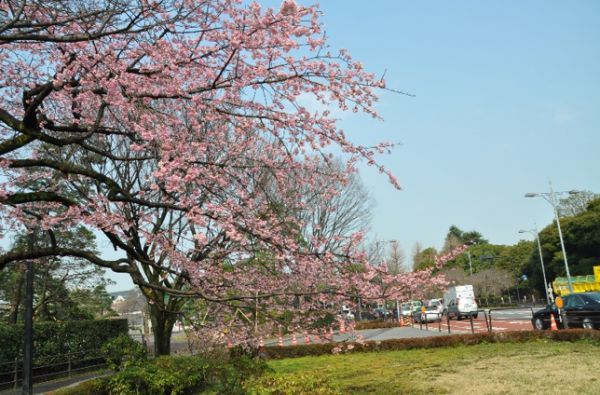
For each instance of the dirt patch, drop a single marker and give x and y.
(547, 372)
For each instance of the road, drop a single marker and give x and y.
(502, 320)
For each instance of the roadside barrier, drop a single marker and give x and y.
(424, 320)
(64, 365)
(553, 325)
(306, 338)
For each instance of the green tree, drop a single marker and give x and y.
(424, 259)
(95, 302)
(576, 203)
(457, 237)
(581, 234)
(54, 277)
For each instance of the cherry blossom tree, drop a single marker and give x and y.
(377, 282)
(166, 126)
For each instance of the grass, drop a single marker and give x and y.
(498, 368)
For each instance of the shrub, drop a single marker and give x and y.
(230, 377)
(62, 337)
(176, 375)
(162, 375)
(121, 350)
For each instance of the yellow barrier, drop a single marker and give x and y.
(590, 283)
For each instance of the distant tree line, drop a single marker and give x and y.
(498, 269)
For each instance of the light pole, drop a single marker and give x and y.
(469, 244)
(470, 263)
(550, 197)
(27, 388)
(534, 232)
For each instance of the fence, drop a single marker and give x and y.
(437, 319)
(63, 365)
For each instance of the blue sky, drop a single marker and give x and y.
(507, 97)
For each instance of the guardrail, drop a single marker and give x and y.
(11, 372)
(424, 320)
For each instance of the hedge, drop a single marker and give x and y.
(277, 352)
(52, 339)
(175, 375)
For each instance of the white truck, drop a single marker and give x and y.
(459, 302)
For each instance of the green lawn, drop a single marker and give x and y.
(534, 367)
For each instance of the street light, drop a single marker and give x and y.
(534, 232)
(470, 243)
(27, 388)
(550, 197)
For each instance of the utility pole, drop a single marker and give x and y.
(28, 340)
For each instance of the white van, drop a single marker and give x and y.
(459, 302)
(346, 313)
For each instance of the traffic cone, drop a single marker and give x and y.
(306, 338)
(553, 325)
(342, 327)
(401, 320)
(294, 340)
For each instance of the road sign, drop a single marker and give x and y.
(559, 302)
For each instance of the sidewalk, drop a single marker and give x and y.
(42, 388)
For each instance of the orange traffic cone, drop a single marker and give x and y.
(401, 320)
(553, 325)
(306, 338)
(342, 326)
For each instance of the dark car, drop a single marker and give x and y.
(381, 314)
(582, 310)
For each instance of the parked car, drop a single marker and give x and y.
(435, 305)
(416, 305)
(406, 310)
(433, 312)
(581, 309)
(541, 318)
(381, 313)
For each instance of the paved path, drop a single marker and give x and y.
(42, 388)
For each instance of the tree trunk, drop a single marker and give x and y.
(162, 327)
